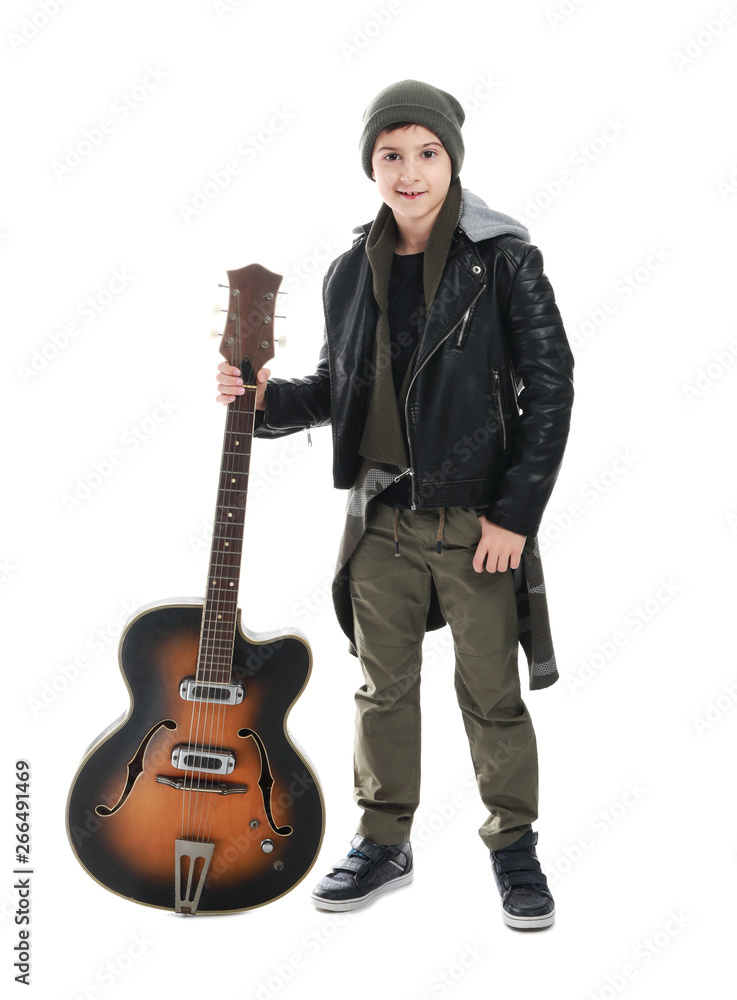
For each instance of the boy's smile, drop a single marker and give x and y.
(412, 171)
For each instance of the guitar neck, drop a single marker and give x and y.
(221, 595)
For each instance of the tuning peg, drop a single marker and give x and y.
(281, 341)
(217, 308)
(214, 333)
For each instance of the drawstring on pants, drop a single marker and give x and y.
(441, 526)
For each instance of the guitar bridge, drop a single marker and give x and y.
(191, 862)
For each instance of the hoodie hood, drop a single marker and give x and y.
(478, 221)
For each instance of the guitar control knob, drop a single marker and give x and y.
(267, 846)
(281, 341)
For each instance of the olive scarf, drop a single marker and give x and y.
(384, 437)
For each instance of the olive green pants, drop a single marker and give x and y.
(390, 599)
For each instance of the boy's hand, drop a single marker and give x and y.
(499, 547)
(230, 384)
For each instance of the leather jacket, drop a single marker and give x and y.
(489, 404)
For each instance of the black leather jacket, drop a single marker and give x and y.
(493, 343)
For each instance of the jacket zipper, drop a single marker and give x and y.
(465, 321)
(497, 392)
(464, 324)
(450, 333)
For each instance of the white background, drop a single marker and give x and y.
(634, 101)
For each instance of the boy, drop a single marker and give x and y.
(435, 319)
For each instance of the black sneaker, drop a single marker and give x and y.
(368, 870)
(526, 899)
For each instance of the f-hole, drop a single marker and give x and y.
(135, 768)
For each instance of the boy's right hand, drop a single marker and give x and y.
(230, 384)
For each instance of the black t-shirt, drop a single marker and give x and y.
(406, 314)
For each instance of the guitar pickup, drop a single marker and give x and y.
(211, 691)
(199, 758)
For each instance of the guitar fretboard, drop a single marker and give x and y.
(221, 595)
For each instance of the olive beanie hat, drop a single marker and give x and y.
(421, 104)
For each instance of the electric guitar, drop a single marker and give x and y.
(197, 799)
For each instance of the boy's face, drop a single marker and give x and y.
(412, 171)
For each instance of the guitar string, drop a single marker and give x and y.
(227, 598)
(201, 679)
(211, 607)
(235, 495)
(226, 603)
(212, 723)
(240, 490)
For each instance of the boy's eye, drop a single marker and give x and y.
(428, 154)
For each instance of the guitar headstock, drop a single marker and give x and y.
(249, 327)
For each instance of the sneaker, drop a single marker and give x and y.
(526, 899)
(368, 870)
